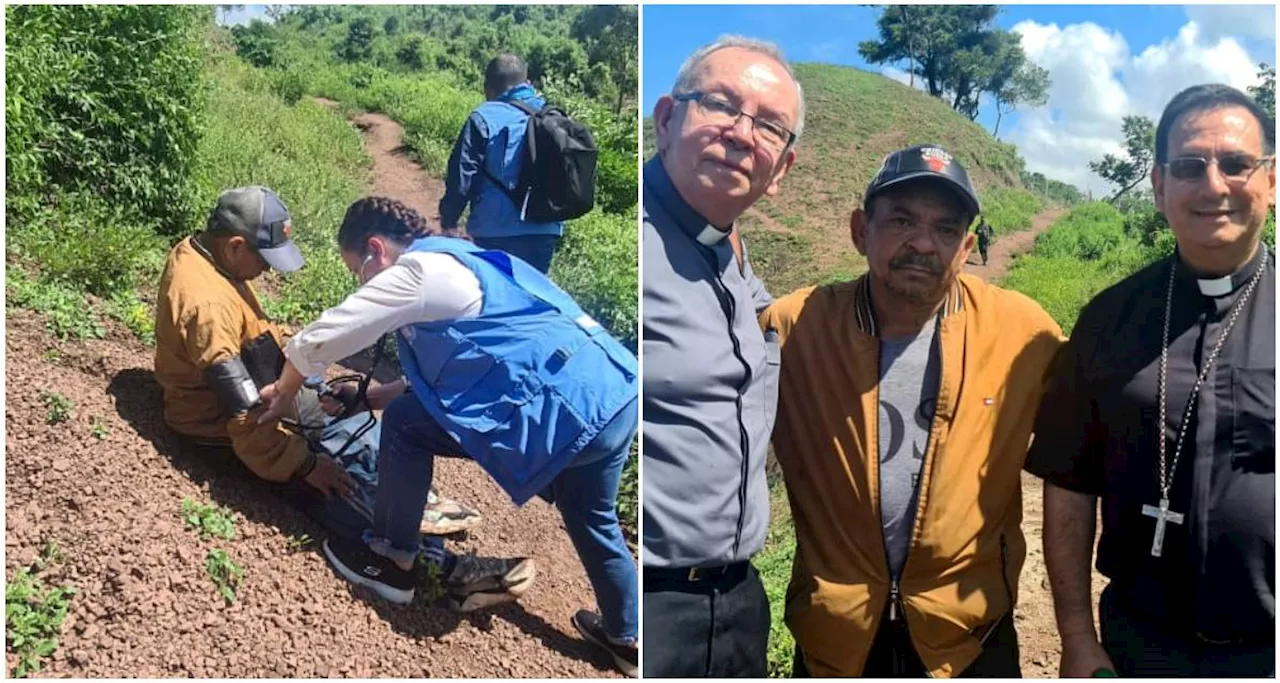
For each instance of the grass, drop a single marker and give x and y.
(224, 572)
(67, 314)
(34, 613)
(1009, 209)
(297, 543)
(774, 565)
(96, 429)
(208, 520)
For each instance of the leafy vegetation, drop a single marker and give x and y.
(59, 406)
(208, 520)
(1009, 210)
(34, 613)
(224, 572)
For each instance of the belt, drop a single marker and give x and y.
(736, 571)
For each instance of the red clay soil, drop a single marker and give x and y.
(145, 607)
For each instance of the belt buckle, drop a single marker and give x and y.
(693, 575)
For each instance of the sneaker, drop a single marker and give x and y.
(625, 657)
(479, 582)
(363, 567)
(445, 516)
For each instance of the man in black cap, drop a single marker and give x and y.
(215, 346)
(1163, 409)
(906, 401)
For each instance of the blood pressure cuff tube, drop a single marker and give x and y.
(233, 386)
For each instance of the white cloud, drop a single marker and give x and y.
(1226, 21)
(896, 74)
(1097, 81)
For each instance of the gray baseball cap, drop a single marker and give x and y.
(257, 214)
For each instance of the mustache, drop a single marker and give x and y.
(934, 266)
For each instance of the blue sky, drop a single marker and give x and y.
(1105, 61)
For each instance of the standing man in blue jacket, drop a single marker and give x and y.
(490, 150)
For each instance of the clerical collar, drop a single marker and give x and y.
(689, 220)
(1221, 286)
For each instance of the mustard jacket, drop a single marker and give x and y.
(203, 318)
(967, 549)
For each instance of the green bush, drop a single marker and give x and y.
(105, 99)
(67, 315)
(1009, 210)
(596, 264)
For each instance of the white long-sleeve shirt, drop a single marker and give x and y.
(419, 287)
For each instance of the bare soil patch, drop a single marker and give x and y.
(1008, 246)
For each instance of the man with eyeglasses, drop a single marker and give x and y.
(726, 137)
(905, 407)
(1163, 406)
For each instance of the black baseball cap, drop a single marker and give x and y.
(924, 161)
(257, 214)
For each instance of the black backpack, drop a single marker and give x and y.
(558, 176)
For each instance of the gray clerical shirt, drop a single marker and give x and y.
(710, 389)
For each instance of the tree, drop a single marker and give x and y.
(275, 12)
(1135, 166)
(258, 43)
(1265, 92)
(358, 45)
(1029, 86)
(957, 50)
(609, 33)
(391, 25)
(226, 10)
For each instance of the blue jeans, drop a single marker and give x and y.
(535, 250)
(586, 493)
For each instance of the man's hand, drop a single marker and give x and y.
(329, 478)
(1081, 656)
(335, 402)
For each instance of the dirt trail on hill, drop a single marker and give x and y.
(1009, 245)
(146, 608)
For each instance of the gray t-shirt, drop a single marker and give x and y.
(909, 369)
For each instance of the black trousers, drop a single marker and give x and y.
(982, 249)
(715, 628)
(893, 656)
(1139, 646)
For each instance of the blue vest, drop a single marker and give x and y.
(528, 383)
(493, 214)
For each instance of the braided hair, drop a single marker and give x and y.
(384, 217)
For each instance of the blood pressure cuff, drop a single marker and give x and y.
(236, 381)
(233, 386)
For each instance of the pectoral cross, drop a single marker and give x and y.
(1162, 515)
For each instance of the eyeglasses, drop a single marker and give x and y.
(719, 112)
(1234, 167)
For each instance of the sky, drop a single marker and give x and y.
(1105, 62)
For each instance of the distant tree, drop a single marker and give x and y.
(391, 25)
(258, 43)
(358, 45)
(1029, 86)
(1265, 92)
(1135, 165)
(226, 10)
(410, 54)
(957, 50)
(610, 34)
(275, 12)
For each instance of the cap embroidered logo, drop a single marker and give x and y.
(288, 230)
(936, 159)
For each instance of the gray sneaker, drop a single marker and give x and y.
(445, 516)
(625, 657)
(479, 582)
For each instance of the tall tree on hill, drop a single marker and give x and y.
(1135, 165)
(958, 51)
(1029, 85)
(1265, 92)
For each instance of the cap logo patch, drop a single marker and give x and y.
(288, 230)
(935, 158)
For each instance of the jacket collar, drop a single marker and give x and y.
(865, 315)
(521, 92)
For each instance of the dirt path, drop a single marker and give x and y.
(146, 608)
(1010, 245)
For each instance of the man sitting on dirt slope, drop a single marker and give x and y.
(489, 149)
(905, 407)
(211, 333)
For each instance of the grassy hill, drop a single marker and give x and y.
(854, 118)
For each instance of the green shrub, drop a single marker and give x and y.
(67, 315)
(288, 85)
(596, 264)
(105, 99)
(1009, 210)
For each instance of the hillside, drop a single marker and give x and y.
(854, 118)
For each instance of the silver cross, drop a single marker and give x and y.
(1162, 515)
